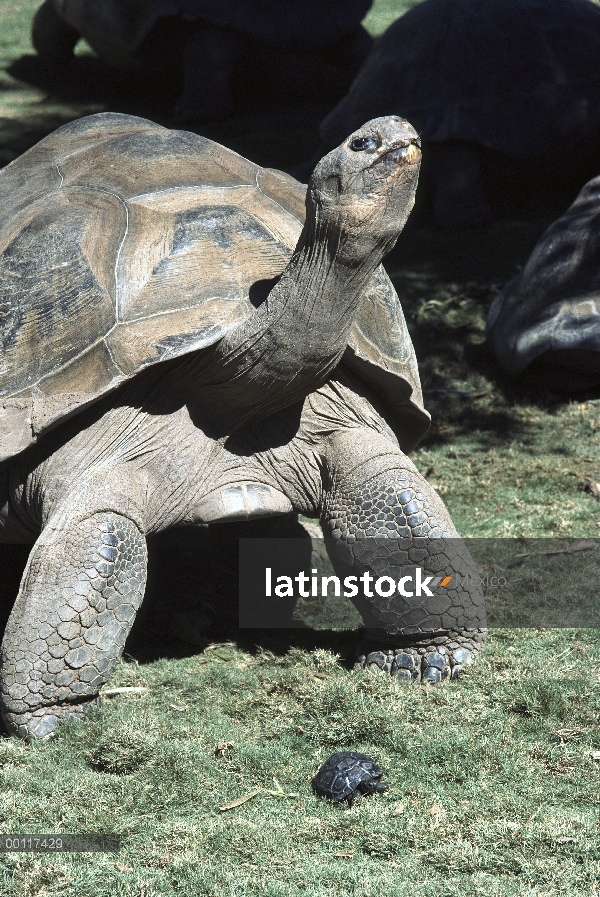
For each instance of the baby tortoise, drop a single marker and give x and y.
(346, 775)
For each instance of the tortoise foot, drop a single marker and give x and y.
(42, 722)
(430, 661)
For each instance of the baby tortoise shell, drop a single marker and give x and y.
(346, 775)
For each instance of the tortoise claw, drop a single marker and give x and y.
(429, 663)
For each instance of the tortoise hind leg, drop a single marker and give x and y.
(79, 595)
(53, 39)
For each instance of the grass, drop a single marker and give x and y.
(493, 785)
(494, 789)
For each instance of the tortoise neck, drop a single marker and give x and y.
(323, 283)
(298, 335)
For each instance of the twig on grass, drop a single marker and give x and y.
(124, 690)
(239, 800)
(277, 792)
(580, 545)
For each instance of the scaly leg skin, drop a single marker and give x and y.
(385, 519)
(80, 592)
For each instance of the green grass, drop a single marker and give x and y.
(384, 12)
(493, 787)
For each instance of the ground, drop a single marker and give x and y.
(494, 781)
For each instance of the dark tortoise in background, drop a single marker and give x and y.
(497, 91)
(546, 322)
(223, 52)
(181, 345)
(346, 776)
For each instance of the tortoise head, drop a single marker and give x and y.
(365, 189)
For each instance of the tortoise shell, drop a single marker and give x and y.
(550, 313)
(123, 244)
(514, 76)
(343, 773)
(299, 24)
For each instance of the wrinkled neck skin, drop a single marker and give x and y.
(298, 335)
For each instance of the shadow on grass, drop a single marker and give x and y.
(191, 600)
(88, 80)
(269, 133)
(446, 282)
(494, 421)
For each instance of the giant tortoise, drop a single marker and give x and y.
(189, 338)
(222, 50)
(547, 320)
(519, 78)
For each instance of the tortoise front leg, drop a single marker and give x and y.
(386, 520)
(353, 797)
(79, 595)
(373, 787)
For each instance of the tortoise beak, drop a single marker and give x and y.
(403, 154)
(410, 154)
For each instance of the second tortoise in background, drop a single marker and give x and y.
(547, 320)
(221, 49)
(489, 85)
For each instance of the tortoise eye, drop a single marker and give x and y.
(362, 144)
